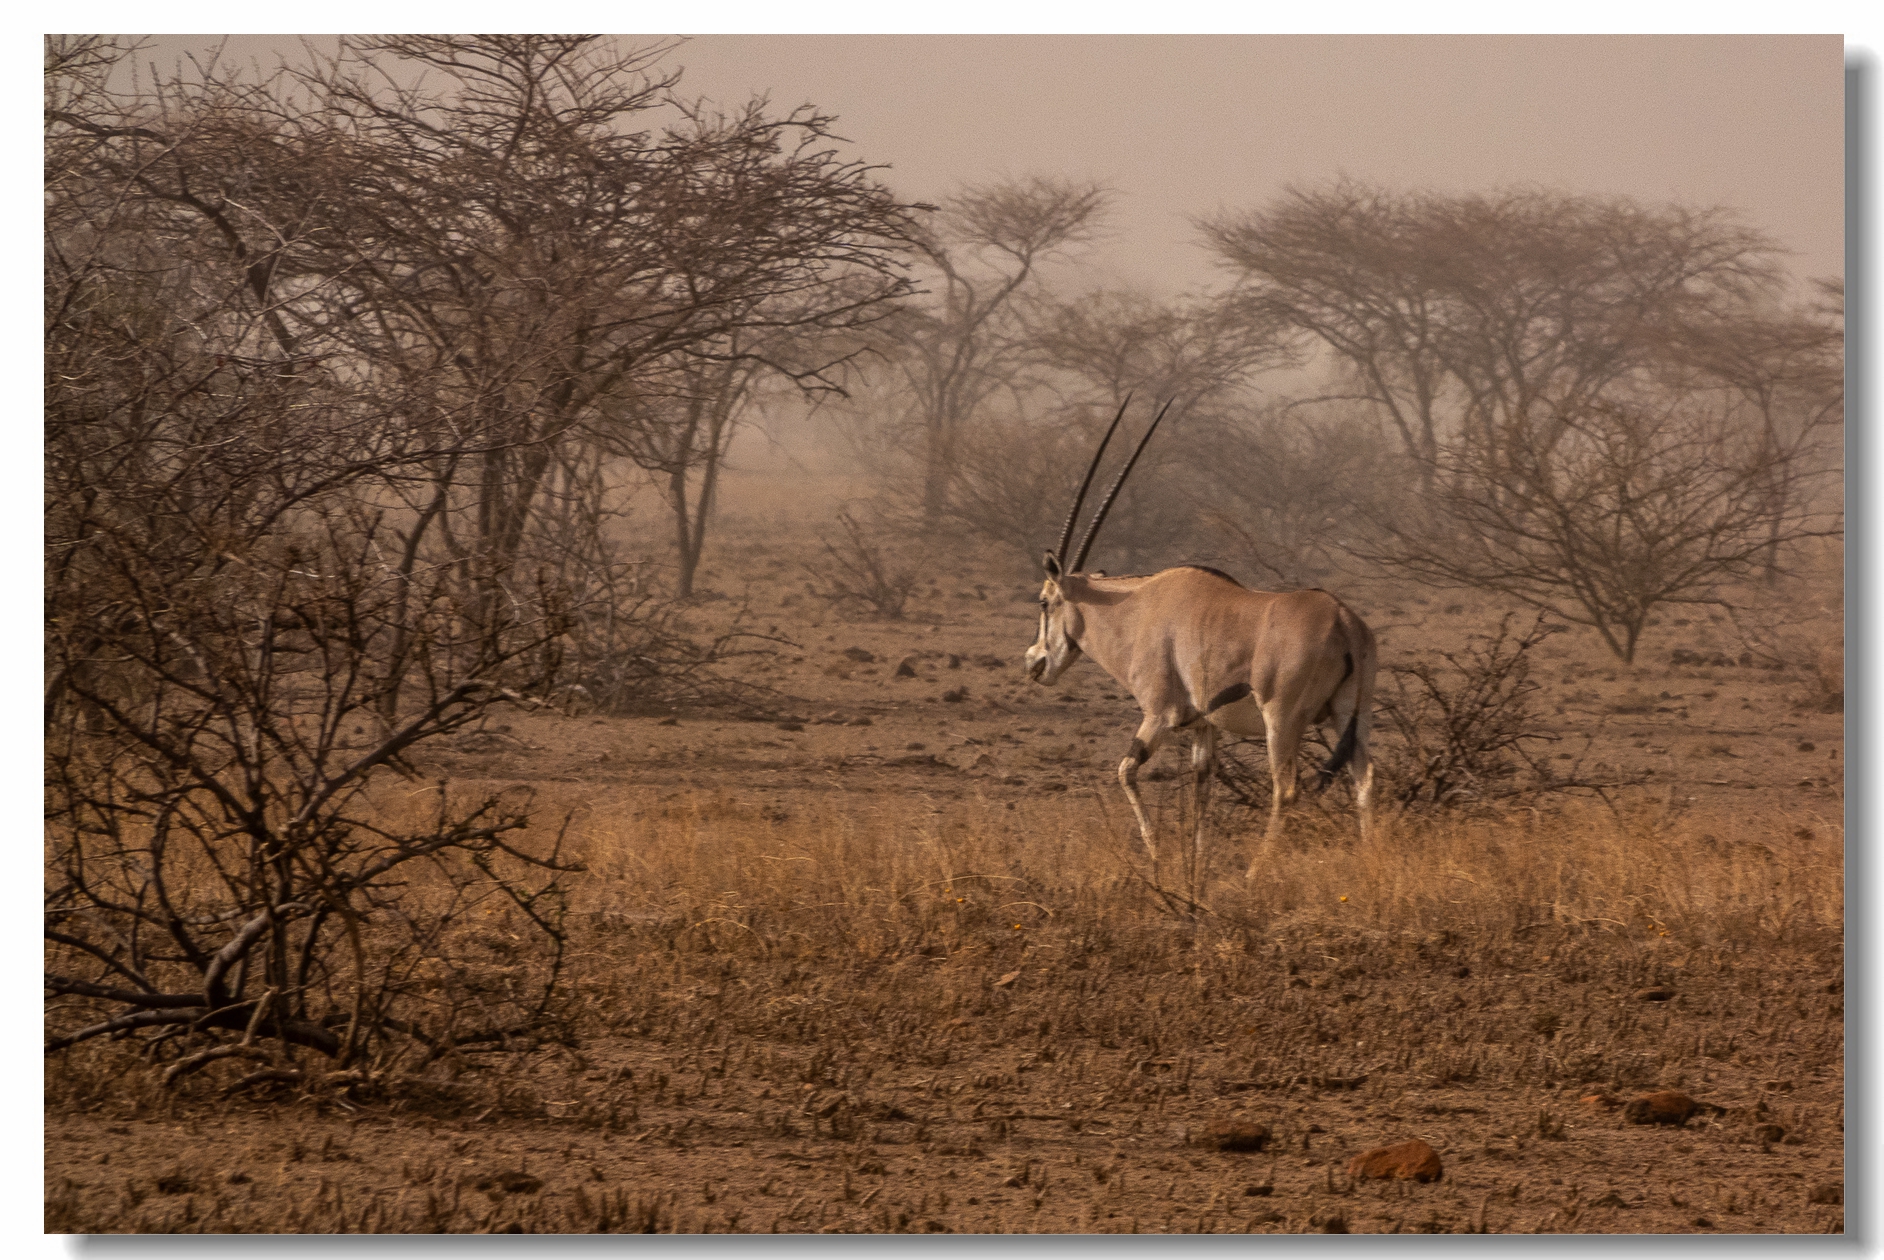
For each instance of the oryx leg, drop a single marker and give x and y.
(1362, 770)
(1285, 740)
(1203, 766)
(1151, 733)
(1361, 761)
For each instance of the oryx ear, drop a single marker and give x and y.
(1052, 565)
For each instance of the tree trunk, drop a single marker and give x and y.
(935, 474)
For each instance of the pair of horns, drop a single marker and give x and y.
(1105, 505)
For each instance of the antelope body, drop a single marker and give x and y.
(1202, 654)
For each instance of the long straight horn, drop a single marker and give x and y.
(1105, 504)
(1066, 533)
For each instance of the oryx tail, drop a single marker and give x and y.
(1344, 747)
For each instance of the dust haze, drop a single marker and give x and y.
(542, 536)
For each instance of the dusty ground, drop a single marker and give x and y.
(1021, 1039)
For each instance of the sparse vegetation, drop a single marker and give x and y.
(437, 839)
(996, 993)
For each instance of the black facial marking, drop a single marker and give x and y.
(1229, 695)
(1138, 752)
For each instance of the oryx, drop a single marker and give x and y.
(1201, 653)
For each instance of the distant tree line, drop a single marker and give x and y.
(1587, 405)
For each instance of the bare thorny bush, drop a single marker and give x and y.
(229, 877)
(289, 545)
(1458, 735)
(861, 573)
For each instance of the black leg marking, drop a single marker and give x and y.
(1229, 695)
(1138, 752)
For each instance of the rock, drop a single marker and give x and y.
(1654, 993)
(863, 656)
(1411, 1160)
(1607, 1101)
(1832, 1192)
(955, 695)
(1768, 1133)
(1233, 1135)
(906, 668)
(1666, 1107)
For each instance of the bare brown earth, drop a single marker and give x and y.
(891, 961)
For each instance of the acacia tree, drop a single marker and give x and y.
(1105, 345)
(539, 262)
(1488, 313)
(1098, 349)
(1601, 403)
(1628, 506)
(1782, 375)
(984, 252)
(681, 437)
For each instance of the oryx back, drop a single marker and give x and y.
(1198, 646)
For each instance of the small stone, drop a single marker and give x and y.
(1258, 1192)
(1233, 1135)
(1654, 993)
(1832, 1192)
(1609, 1102)
(1666, 1107)
(955, 695)
(906, 668)
(1769, 1132)
(1411, 1160)
(863, 656)
(791, 726)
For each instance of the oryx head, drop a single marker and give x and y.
(1061, 619)
(1057, 644)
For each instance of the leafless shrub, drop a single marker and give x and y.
(227, 878)
(1468, 735)
(860, 573)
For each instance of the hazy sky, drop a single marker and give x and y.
(1187, 125)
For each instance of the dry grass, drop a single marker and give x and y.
(820, 973)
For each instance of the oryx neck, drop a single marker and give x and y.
(1081, 588)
